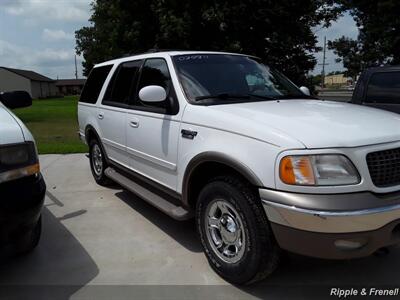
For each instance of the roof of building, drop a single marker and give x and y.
(65, 82)
(29, 74)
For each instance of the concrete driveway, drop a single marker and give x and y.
(105, 243)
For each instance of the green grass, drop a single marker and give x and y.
(54, 124)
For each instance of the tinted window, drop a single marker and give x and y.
(94, 83)
(384, 88)
(203, 76)
(122, 83)
(155, 72)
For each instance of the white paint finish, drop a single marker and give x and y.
(238, 120)
(237, 147)
(111, 121)
(10, 130)
(152, 145)
(305, 90)
(255, 134)
(317, 124)
(152, 93)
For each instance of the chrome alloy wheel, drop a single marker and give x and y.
(225, 231)
(97, 160)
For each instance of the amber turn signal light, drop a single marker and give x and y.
(297, 170)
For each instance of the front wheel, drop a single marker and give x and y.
(234, 231)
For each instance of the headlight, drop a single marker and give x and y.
(18, 160)
(318, 170)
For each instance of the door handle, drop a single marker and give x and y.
(100, 116)
(134, 124)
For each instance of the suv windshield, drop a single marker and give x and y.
(223, 77)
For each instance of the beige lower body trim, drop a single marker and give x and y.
(330, 222)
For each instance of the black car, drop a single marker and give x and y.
(22, 188)
(380, 88)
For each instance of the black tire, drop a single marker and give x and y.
(28, 242)
(98, 175)
(261, 253)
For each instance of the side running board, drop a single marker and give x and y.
(176, 212)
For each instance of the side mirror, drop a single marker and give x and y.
(305, 91)
(17, 99)
(152, 93)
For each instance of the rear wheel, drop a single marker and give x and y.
(98, 163)
(29, 241)
(234, 231)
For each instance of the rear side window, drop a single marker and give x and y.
(94, 83)
(122, 83)
(384, 88)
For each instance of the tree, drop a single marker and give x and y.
(378, 41)
(350, 53)
(314, 81)
(117, 28)
(279, 32)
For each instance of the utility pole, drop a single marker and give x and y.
(76, 69)
(323, 65)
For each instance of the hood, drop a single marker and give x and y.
(309, 123)
(10, 131)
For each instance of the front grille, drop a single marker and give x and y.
(384, 167)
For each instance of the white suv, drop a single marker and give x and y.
(261, 165)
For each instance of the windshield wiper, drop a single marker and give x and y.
(223, 96)
(262, 97)
(234, 96)
(287, 97)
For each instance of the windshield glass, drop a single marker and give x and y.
(231, 77)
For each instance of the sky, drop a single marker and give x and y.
(38, 35)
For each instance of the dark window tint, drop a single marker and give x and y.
(94, 83)
(122, 83)
(384, 88)
(155, 72)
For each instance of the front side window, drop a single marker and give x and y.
(94, 84)
(122, 83)
(221, 77)
(155, 72)
(384, 88)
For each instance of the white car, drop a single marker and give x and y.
(22, 188)
(261, 165)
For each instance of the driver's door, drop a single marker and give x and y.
(152, 130)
